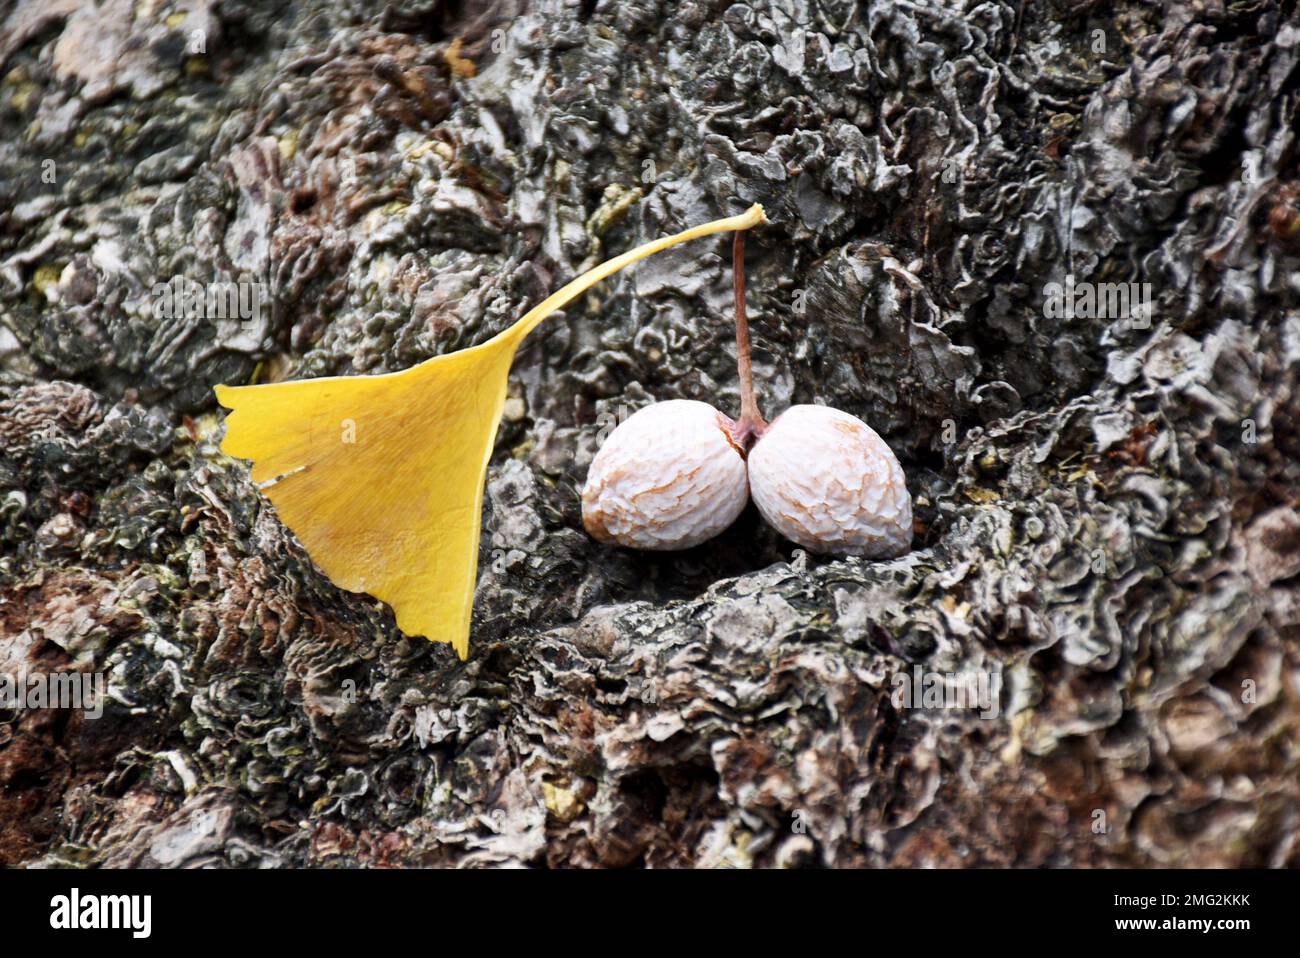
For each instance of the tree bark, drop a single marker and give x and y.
(1107, 534)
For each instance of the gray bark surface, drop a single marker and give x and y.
(1106, 513)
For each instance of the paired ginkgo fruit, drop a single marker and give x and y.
(677, 473)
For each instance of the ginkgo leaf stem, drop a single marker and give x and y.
(566, 294)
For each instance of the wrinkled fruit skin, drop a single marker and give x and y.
(825, 480)
(668, 478)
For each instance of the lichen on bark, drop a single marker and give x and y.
(1106, 509)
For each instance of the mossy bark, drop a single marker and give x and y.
(1107, 525)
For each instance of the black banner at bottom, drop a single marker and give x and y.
(219, 909)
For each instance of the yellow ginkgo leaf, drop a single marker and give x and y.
(381, 477)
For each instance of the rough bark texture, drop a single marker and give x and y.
(1106, 513)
